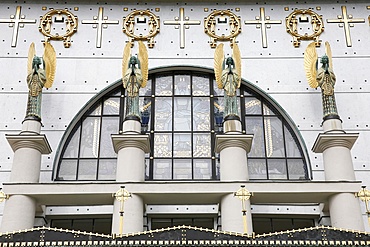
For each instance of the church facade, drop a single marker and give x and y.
(275, 140)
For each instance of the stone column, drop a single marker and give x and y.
(130, 147)
(335, 145)
(233, 147)
(132, 217)
(28, 146)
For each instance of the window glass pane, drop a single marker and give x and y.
(252, 106)
(64, 224)
(90, 137)
(182, 113)
(146, 91)
(202, 145)
(72, 146)
(145, 104)
(274, 137)
(102, 226)
(182, 222)
(204, 222)
(96, 110)
(67, 170)
(182, 85)
(163, 113)
(303, 223)
(257, 169)
(162, 145)
(182, 169)
(217, 91)
(282, 224)
(83, 224)
(201, 114)
(87, 169)
(202, 169)
(109, 126)
(107, 169)
(290, 144)
(182, 145)
(261, 225)
(296, 169)
(111, 106)
(254, 126)
(161, 223)
(162, 169)
(277, 169)
(163, 85)
(268, 111)
(200, 85)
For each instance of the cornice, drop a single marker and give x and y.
(37, 142)
(131, 140)
(233, 140)
(329, 140)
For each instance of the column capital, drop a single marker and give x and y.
(328, 140)
(38, 142)
(131, 140)
(233, 140)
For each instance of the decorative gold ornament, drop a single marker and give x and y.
(364, 195)
(16, 21)
(122, 195)
(346, 21)
(141, 17)
(219, 17)
(244, 195)
(3, 196)
(263, 22)
(99, 22)
(291, 23)
(182, 23)
(61, 15)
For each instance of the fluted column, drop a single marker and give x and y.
(28, 146)
(233, 147)
(335, 145)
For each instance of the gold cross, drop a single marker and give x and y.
(346, 21)
(15, 22)
(263, 22)
(99, 22)
(182, 23)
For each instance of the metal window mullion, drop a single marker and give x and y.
(98, 158)
(285, 147)
(79, 148)
(172, 127)
(191, 125)
(264, 139)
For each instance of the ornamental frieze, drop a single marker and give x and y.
(220, 25)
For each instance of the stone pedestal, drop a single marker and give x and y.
(231, 214)
(19, 213)
(335, 145)
(131, 149)
(233, 147)
(132, 218)
(28, 146)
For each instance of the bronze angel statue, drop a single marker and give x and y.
(228, 77)
(323, 77)
(134, 77)
(38, 78)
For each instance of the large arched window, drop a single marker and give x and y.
(182, 111)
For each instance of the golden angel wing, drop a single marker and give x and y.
(329, 54)
(310, 60)
(143, 58)
(238, 62)
(50, 64)
(126, 58)
(218, 61)
(31, 54)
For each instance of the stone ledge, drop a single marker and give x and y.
(325, 141)
(233, 140)
(38, 142)
(131, 140)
